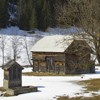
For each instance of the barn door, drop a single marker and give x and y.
(50, 65)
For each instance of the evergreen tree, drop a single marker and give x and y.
(52, 9)
(33, 21)
(26, 14)
(46, 15)
(38, 7)
(3, 13)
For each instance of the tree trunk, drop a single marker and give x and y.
(2, 58)
(98, 58)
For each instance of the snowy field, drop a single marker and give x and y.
(14, 41)
(51, 87)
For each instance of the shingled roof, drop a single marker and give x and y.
(10, 64)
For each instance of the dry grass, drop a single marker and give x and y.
(42, 74)
(90, 85)
(7, 95)
(80, 98)
(47, 74)
(2, 89)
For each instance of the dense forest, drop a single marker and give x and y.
(41, 14)
(29, 13)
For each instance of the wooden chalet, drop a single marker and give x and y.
(62, 54)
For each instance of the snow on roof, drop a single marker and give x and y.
(11, 63)
(54, 43)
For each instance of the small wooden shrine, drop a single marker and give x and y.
(12, 75)
(13, 79)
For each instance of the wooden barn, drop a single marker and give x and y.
(59, 53)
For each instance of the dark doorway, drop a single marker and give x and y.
(50, 63)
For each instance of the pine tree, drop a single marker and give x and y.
(52, 8)
(38, 8)
(3, 13)
(33, 21)
(46, 15)
(26, 14)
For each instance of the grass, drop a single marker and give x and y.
(4, 94)
(47, 74)
(2, 89)
(7, 95)
(90, 85)
(42, 74)
(80, 98)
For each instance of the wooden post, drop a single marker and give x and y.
(33, 64)
(38, 65)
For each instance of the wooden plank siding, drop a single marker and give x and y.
(48, 61)
(12, 75)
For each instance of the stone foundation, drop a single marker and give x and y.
(21, 90)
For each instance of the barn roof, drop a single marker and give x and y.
(10, 64)
(54, 43)
(58, 43)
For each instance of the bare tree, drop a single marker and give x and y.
(28, 43)
(16, 43)
(2, 47)
(87, 14)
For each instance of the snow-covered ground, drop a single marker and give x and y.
(50, 87)
(13, 38)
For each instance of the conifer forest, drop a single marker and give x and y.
(41, 14)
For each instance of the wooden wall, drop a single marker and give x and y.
(48, 61)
